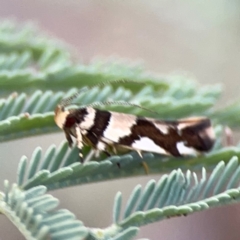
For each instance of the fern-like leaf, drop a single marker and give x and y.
(33, 212)
(60, 167)
(181, 194)
(43, 71)
(174, 195)
(21, 116)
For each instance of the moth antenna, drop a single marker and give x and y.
(120, 103)
(65, 102)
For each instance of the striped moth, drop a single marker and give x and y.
(109, 132)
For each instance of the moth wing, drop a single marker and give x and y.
(189, 136)
(121, 134)
(183, 137)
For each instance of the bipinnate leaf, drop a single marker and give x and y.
(61, 167)
(174, 196)
(34, 214)
(43, 71)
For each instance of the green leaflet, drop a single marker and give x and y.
(33, 212)
(15, 61)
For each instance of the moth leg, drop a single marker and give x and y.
(114, 150)
(107, 153)
(139, 153)
(97, 153)
(144, 164)
(114, 146)
(102, 147)
(89, 156)
(92, 153)
(68, 137)
(146, 168)
(200, 154)
(79, 140)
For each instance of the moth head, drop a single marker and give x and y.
(60, 116)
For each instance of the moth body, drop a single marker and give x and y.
(107, 131)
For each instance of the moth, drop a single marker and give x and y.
(110, 132)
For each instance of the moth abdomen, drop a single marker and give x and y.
(200, 135)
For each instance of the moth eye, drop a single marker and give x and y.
(77, 120)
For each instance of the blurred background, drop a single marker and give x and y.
(200, 38)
